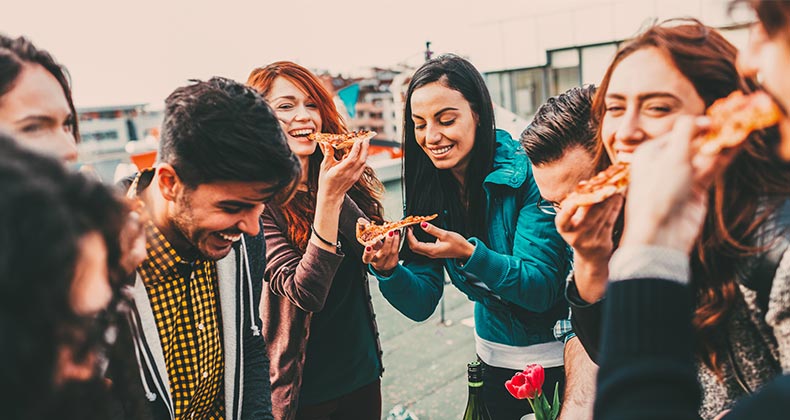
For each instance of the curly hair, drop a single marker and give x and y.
(46, 211)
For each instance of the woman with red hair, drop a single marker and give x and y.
(674, 70)
(318, 319)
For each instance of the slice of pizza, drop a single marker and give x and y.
(369, 233)
(613, 180)
(342, 141)
(733, 118)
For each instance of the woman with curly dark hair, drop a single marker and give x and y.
(60, 271)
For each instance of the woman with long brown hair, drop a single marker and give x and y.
(36, 99)
(679, 69)
(317, 315)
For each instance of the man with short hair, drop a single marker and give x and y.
(194, 301)
(560, 142)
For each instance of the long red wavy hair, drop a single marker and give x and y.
(300, 211)
(754, 182)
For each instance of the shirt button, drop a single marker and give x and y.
(201, 326)
(205, 374)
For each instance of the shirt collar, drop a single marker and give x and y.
(162, 261)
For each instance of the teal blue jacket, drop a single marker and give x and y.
(524, 264)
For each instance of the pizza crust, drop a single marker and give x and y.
(369, 233)
(735, 117)
(343, 140)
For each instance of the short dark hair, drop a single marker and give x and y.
(15, 52)
(562, 123)
(221, 130)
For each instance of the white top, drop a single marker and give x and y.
(548, 355)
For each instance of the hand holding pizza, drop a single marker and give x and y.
(383, 255)
(338, 176)
(589, 230)
(667, 197)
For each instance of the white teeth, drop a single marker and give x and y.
(301, 133)
(441, 151)
(233, 238)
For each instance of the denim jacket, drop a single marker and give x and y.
(524, 263)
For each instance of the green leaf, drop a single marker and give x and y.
(555, 406)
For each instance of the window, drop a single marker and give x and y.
(528, 91)
(564, 69)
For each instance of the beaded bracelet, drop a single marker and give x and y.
(337, 245)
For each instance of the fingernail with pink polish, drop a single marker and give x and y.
(367, 248)
(391, 233)
(424, 225)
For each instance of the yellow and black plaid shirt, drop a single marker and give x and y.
(184, 299)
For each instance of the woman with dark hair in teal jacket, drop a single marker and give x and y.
(479, 181)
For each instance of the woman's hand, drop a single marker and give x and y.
(589, 230)
(383, 256)
(448, 244)
(667, 196)
(335, 178)
(338, 176)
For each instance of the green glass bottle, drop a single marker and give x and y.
(475, 406)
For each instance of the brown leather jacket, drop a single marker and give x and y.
(298, 284)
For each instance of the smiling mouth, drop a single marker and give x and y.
(438, 151)
(301, 133)
(229, 238)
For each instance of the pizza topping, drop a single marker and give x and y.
(733, 118)
(343, 140)
(613, 180)
(369, 233)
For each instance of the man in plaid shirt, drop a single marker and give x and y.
(193, 316)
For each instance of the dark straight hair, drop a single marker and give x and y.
(428, 190)
(15, 53)
(221, 130)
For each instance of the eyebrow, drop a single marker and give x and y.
(238, 203)
(645, 96)
(39, 119)
(291, 97)
(440, 112)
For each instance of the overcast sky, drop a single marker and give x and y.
(139, 51)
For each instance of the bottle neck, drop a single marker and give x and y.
(475, 388)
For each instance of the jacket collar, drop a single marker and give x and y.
(510, 162)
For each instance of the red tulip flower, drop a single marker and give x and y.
(526, 384)
(529, 384)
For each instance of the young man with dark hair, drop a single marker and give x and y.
(560, 143)
(194, 320)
